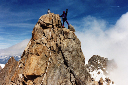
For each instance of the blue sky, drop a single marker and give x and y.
(18, 17)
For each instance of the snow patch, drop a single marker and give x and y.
(2, 65)
(97, 74)
(86, 62)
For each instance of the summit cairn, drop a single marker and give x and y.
(53, 56)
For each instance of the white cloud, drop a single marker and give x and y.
(110, 42)
(15, 49)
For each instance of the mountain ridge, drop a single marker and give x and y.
(4, 59)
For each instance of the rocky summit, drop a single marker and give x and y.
(53, 56)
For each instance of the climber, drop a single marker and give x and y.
(64, 17)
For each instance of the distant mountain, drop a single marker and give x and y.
(99, 69)
(4, 60)
(14, 50)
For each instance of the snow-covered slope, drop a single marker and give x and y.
(99, 69)
(99, 75)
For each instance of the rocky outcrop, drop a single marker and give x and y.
(71, 28)
(53, 56)
(99, 68)
(96, 62)
(8, 71)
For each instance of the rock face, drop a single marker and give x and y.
(0, 67)
(71, 28)
(8, 71)
(53, 57)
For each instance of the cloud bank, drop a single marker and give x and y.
(15, 49)
(111, 42)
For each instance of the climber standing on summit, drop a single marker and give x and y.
(64, 17)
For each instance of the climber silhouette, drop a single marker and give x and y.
(64, 17)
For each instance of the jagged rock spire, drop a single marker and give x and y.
(53, 56)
